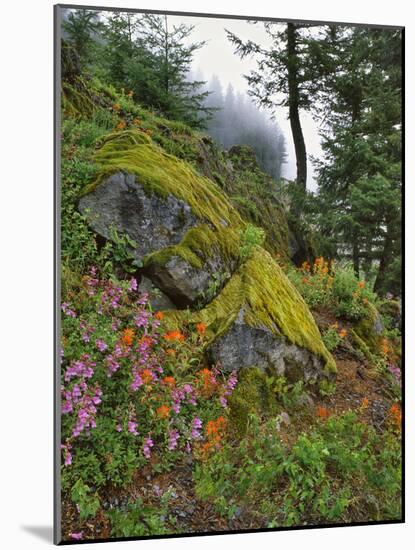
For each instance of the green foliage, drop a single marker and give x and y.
(331, 338)
(349, 298)
(121, 251)
(140, 520)
(88, 503)
(326, 388)
(252, 236)
(334, 287)
(336, 470)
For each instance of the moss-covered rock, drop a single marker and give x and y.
(188, 237)
(185, 229)
(370, 328)
(260, 319)
(252, 395)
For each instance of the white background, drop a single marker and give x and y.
(26, 256)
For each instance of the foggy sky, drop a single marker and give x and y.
(217, 57)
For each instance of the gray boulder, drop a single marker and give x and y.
(158, 300)
(242, 345)
(186, 284)
(156, 224)
(152, 221)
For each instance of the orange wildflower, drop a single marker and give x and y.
(395, 415)
(214, 430)
(128, 336)
(163, 411)
(147, 376)
(361, 284)
(171, 351)
(205, 449)
(121, 125)
(174, 335)
(322, 412)
(137, 121)
(384, 346)
(201, 328)
(343, 333)
(169, 381)
(159, 315)
(116, 107)
(365, 403)
(208, 382)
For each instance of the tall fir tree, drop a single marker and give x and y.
(360, 173)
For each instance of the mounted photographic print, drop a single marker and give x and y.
(228, 274)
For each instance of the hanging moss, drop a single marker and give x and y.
(269, 300)
(361, 345)
(133, 152)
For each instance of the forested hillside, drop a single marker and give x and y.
(231, 341)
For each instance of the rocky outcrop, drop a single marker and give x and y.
(185, 232)
(152, 221)
(243, 345)
(260, 320)
(188, 238)
(187, 284)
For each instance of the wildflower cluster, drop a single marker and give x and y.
(214, 432)
(395, 416)
(333, 286)
(131, 390)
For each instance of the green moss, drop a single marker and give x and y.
(76, 99)
(365, 329)
(252, 395)
(256, 197)
(198, 244)
(269, 300)
(361, 345)
(133, 151)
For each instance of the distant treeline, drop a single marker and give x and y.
(148, 56)
(237, 120)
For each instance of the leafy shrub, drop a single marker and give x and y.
(339, 469)
(331, 338)
(250, 237)
(332, 286)
(88, 504)
(140, 520)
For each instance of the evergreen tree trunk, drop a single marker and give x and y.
(383, 264)
(166, 56)
(293, 105)
(356, 257)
